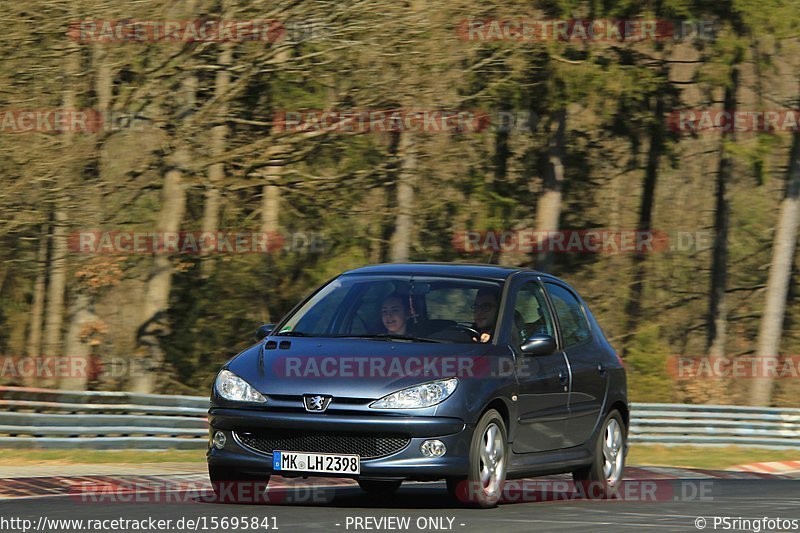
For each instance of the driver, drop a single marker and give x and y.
(484, 313)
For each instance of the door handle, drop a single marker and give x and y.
(562, 377)
(601, 369)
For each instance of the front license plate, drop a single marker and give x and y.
(316, 462)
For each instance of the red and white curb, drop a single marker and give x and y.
(772, 468)
(90, 486)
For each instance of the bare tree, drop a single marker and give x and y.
(154, 325)
(780, 271)
(216, 171)
(404, 216)
(718, 307)
(548, 207)
(34, 343)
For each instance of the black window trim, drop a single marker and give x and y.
(512, 287)
(536, 280)
(567, 288)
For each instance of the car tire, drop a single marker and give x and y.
(233, 486)
(488, 464)
(601, 480)
(377, 487)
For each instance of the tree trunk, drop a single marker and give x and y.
(149, 353)
(216, 172)
(148, 358)
(33, 348)
(502, 155)
(54, 315)
(271, 203)
(56, 287)
(634, 307)
(718, 311)
(81, 312)
(548, 207)
(78, 351)
(404, 221)
(780, 271)
(270, 225)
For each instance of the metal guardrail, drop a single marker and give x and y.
(43, 418)
(717, 425)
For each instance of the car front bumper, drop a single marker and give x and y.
(408, 463)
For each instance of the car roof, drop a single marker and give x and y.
(463, 270)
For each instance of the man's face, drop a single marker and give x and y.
(394, 316)
(485, 310)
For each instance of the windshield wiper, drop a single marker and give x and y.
(393, 336)
(291, 334)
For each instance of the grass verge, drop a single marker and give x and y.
(710, 458)
(14, 457)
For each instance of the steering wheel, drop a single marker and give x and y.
(474, 334)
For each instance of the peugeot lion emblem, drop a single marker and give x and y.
(316, 403)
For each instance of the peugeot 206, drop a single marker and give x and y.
(473, 374)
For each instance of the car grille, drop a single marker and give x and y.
(366, 446)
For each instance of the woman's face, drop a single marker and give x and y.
(394, 316)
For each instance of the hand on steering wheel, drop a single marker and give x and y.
(474, 334)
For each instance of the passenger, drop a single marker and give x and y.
(484, 313)
(395, 313)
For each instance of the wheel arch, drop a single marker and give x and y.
(500, 405)
(624, 412)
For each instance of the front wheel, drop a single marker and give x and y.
(488, 460)
(233, 486)
(602, 478)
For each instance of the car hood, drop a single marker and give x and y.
(354, 368)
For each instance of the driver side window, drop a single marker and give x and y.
(531, 315)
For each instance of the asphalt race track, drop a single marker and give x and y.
(661, 504)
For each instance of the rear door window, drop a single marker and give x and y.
(571, 319)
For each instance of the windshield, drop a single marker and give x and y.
(421, 309)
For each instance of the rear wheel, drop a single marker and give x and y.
(378, 487)
(488, 459)
(602, 478)
(233, 486)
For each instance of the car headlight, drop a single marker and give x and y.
(232, 387)
(424, 395)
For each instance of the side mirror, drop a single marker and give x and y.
(539, 344)
(264, 330)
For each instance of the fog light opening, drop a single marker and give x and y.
(219, 440)
(433, 448)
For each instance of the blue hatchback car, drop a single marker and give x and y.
(470, 373)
